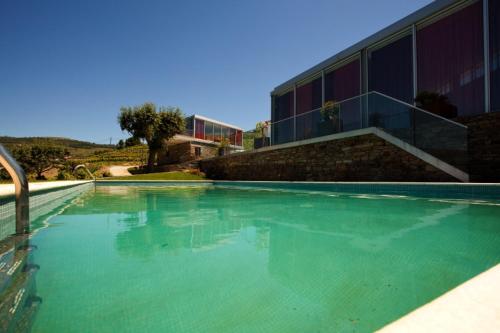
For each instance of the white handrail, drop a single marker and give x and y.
(21, 190)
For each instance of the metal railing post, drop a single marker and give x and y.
(21, 190)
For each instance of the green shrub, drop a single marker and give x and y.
(81, 174)
(64, 175)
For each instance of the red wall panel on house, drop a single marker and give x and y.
(239, 138)
(199, 129)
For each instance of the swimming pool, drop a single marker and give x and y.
(252, 258)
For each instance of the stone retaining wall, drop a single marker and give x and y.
(484, 147)
(360, 158)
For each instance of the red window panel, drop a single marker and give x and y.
(239, 138)
(343, 83)
(450, 59)
(309, 96)
(200, 129)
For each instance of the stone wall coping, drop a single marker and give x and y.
(437, 163)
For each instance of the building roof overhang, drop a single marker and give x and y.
(405, 23)
(197, 116)
(179, 138)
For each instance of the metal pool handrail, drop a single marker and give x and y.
(21, 190)
(86, 169)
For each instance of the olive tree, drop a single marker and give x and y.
(38, 159)
(154, 126)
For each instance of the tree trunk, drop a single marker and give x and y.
(151, 159)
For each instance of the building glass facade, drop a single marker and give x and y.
(283, 110)
(450, 59)
(494, 21)
(211, 131)
(309, 97)
(390, 69)
(439, 49)
(343, 82)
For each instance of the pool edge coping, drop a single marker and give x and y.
(472, 306)
(296, 182)
(7, 191)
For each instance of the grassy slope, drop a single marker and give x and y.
(175, 175)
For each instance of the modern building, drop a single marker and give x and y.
(449, 47)
(202, 139)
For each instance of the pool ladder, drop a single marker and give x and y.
(82, 166)
(21, 191)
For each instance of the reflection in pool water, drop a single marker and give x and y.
(208, 259)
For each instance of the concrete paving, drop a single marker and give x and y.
(120, 170)
(474, 306)
(8, 189)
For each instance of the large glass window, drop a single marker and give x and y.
(390, 69)
(450, 59)
(217, 133)
(309, 96)
(232, 136)
(189, 126)
(199, 129)
(494, 7)
(283, 106)
(281, 129)
(209, 131)
(341, 84)
(225, 133)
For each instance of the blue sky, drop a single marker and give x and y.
(67, 66)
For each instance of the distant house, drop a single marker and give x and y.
(202, 139)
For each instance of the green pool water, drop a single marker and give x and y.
(215, 259)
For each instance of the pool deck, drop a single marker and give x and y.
(8, 189)
(474, 306)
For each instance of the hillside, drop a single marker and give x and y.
(76, 148)
(129, 155)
